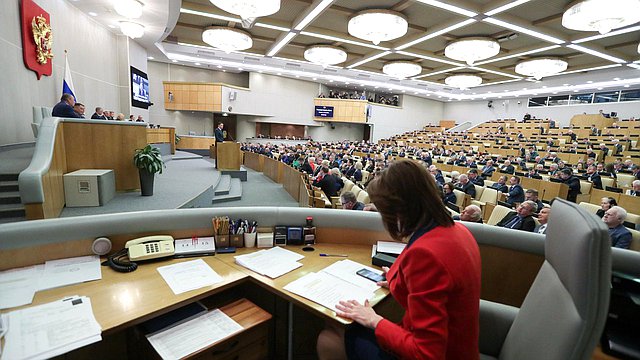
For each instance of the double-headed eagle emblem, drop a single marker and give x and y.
(43, 38)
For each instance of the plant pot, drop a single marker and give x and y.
(146, 182)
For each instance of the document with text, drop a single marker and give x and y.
(70, 271)
(273, 263)
(189, 275)
(17, 286)
(179, 341)
(334, 283)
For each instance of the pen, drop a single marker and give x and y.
(335, 255)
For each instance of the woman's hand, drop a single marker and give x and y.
(384, 284)
(362, 314)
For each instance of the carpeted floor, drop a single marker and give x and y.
(15, 160)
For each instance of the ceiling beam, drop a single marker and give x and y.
(546, 20)
(402, 5)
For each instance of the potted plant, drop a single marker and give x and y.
(148, 160)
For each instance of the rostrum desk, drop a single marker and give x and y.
(510, 261)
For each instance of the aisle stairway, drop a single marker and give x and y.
(11, 208)
(227, 189)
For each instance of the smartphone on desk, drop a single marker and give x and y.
(368, 274)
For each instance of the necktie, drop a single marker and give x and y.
(513, 222)
(542, 229)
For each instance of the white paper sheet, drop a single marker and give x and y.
(346, 270)
(70, 271)
(327, 290)
(273, 263)
(391, 247)
(44, 331)
(17, 286)
(189, 275)
(191, 336)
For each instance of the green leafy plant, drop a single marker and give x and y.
(149, 158)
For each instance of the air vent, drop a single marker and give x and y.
(364, 76)
(249, 58)
(208, 53)
(293, 65)
(330, 70)
(394, 80)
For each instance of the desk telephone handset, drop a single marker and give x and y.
(144, 248)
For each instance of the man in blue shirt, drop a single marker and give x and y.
(614, 218)
(64, 108)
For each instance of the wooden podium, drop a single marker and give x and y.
(228, 156)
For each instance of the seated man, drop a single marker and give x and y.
(543, 217)
(349, 202)
(474, 178)
(327, 183)
(79, 109)
(500, 185)
(471, 213)
(507, 167)
(466, 185)
(636, 188)
(532, 194)
(100, 114)
(593, 176)
(488, 169)
(65, 107)
(620, 236)
(516, 192)
(521, 219)
(573, 182)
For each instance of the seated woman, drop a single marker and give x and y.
(605, 204)
(436, 279)
(449, 195)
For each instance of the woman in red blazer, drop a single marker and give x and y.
(436, 279)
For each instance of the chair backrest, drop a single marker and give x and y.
(564, 312)
(607, 181)
(348, 185)
(479, 191)
(489, 195)
(488, 183)
(498, 213)
(365, 176)
(363, 197)
(356, 190)
(589, 207)
(459, 198)
(635, 240)
(585, 187)
(625, 180)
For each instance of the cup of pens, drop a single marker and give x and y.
(249, 232)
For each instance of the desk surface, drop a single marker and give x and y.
(121, 300)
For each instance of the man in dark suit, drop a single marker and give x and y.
(521, 219)
(219, 133)
(64, 108)
(466, 186)
(507, 167)
(328, 183)
(99, 114)
(500, 185)
(516, 192)
(593, 176)
(474, 178)
(573, 182)
(488, 169)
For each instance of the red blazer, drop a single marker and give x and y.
(437, 281)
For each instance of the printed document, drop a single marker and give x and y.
(181, 340)
(334, 283)
(70, 271)
(17, 286)
(45, 331)
(189, 275)
(273, 263)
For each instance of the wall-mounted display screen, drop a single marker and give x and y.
(140, 96)
(324, 111)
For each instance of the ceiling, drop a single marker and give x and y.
(524, 29)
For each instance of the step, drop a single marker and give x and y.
(12, 210)
(9, 177)
(235, 192)
(6, 186)
(11, 197)
(224, 185)
(12, 219)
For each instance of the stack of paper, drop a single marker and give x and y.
(45, 331)
(179, 341)
(272, 263)
(17, 286)
(335, 283)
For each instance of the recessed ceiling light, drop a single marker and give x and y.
(297, 76)
(112, 26)
(626, 85)
(599, 88)
(281, 74)
(223, 70)
(346, 83)
(589, 82)
(219, 66)
(240, 69)
(260, 71)
(150, 57)
(616, 79)
(330, 80)
(175, 61)
(544, 87)
(565, 84)
(555, 92)
(198, 64)
(575, 90)
(315, 78)
(92, 13)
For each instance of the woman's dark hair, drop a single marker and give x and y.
(407, 198)
(450, 185)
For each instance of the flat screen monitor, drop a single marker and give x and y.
(324, 111)
(140, 96)
(613, 189)
(453, 206)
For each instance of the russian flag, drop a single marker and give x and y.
(67, 82)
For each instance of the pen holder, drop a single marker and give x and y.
(222, 241)
(250, 239)
(236, 240)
